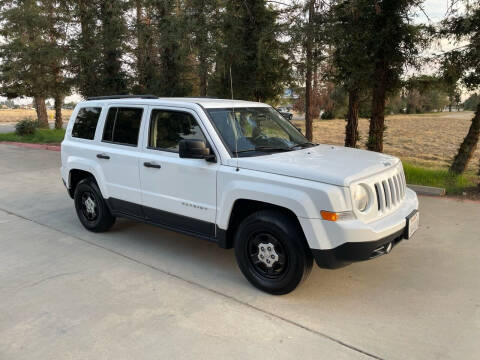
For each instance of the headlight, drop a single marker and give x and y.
(360, 198)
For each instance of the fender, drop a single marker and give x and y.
(79, 163)
(304, 198)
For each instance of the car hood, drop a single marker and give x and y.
(329, 164)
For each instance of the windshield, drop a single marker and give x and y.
(256, 130)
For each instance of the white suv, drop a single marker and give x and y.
(238, 174)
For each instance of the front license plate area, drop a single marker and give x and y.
(413, 221)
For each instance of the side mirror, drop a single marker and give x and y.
(195, 149)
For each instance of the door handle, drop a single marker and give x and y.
(151, 165)
(103, 156)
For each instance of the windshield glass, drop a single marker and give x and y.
(256, 130)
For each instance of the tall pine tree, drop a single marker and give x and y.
(393, 42)
(26, 57)
(465, 59)
(100, 47)
(251, 47)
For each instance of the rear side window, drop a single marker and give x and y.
(86, 123)
(167, 128)
(123, 125)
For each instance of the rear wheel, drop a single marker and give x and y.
(271, 252)
(91, 208)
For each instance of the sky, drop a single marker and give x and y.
(435, 11)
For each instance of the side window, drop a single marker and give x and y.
(167, 128)
(86, 123)
(122, 126)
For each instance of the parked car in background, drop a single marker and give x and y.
(238, 174)
(285, 113)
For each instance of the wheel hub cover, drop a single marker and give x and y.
(267, 254)
(90, 206)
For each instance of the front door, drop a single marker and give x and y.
(177, 193)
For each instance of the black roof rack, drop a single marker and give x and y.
(114, 97)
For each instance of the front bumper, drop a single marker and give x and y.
(357, 251)
(335, 244)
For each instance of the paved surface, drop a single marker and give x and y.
(139, 292)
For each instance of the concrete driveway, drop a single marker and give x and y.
(140, 292)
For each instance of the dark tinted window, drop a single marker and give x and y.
(167, 128)
(86, 123)
(123, 125)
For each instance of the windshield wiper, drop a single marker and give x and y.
(263, 148)
(308, 143)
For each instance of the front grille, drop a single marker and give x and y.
(390, 191)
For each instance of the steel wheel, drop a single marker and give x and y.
(89, 206)
(267, 255)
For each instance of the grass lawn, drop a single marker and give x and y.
(454, 184)
(41, 136)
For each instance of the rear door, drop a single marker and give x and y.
(179, 193)
(119, 157)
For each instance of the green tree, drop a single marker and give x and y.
(112, 37)
(251, 48)
(170, 25)
(349, 32)
(100, 47)
(25, 54)
(162, 53)
(393, 42)
(425, 93)
(86, 51)
(146, 59)
(472, 102)
(201, 16)
(57, 16)
(465, 27)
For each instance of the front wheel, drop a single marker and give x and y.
(92, 209)
(271, 252)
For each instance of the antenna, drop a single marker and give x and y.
(234, 118)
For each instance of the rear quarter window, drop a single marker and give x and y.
(86, 123)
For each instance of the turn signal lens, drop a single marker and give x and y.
(329, 216)
(334, 216)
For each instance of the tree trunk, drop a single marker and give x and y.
(377, 121)
(58, 112)
(88, 69)
(141, 78)
(309, 74)
(41, 108)
(469, 144)
(203, 74)
(351, 131)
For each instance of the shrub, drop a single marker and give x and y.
(26, 126)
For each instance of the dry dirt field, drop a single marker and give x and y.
(15, 115)
(427, 139)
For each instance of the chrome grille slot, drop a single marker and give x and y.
(390, 191)
(388, 199)
(397, 188)
(380, 197)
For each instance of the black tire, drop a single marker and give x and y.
(292, 259)
(96, 216)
